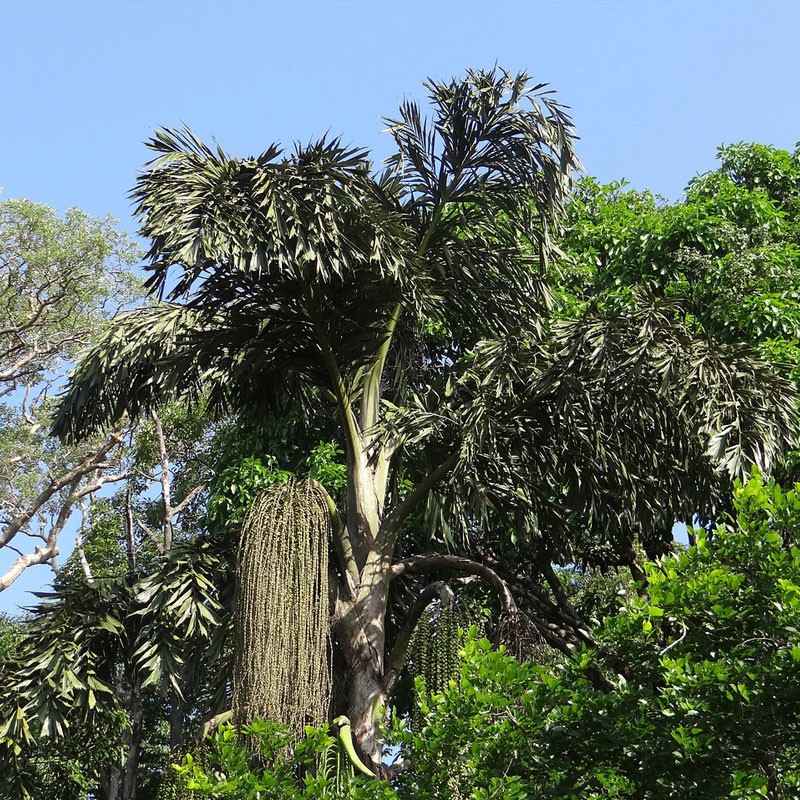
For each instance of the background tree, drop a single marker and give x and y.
(726, 255)
(61, 280)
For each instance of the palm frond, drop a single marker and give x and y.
(484, 181)
(315, 216)
(620, 423)
(165, 351)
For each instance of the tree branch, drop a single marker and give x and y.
(150, 535)
(130, 540)
(188, 499)
(84, 562)
(41, 555)
(165, 480)
(92, 461)
(429, 561)
(102, 480)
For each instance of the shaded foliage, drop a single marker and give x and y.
(709, 708)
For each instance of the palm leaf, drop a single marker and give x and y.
(614, 423)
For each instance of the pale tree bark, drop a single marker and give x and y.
(70, 487)
(365, 546)
(163, 538)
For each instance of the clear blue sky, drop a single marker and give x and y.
(654, 85)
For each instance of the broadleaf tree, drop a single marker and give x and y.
(61, 279)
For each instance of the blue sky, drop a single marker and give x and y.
(654, 85)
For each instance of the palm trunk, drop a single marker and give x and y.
(177, 707)
(110, 783)
(360, 625)
(133, 741)
(361, 633)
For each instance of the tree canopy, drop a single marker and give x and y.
(61, 280)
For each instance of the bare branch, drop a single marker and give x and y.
(188, 499)
(165, 480)
(40, 555)
(85, 566)
(101, 480)
(429, 561)
(152, 536)
(91, 462)
(678, 641)
(48, 553)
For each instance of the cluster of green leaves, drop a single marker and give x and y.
(236, 486)
(708, 707)
(261, 761)
(60, 686)
(62, 277)
(619, 422)
(326, 465)
(728, 254)
(10, 634)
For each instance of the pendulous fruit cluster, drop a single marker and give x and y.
(436, 644)
(282, 669)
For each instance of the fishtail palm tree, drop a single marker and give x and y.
(413, 301)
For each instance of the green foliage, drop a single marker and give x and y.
(11, 631)
(62, 279)
(185, 600)
(617, 423)
(236, 487)
(325, 465)
(60, 718)
(728, 255)
(315, 767)
(596, 592)
(709, 706)
(102, 543)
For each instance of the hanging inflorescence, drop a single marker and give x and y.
(436, 644)
(520, 637)
(516, 632)
(282, 666)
